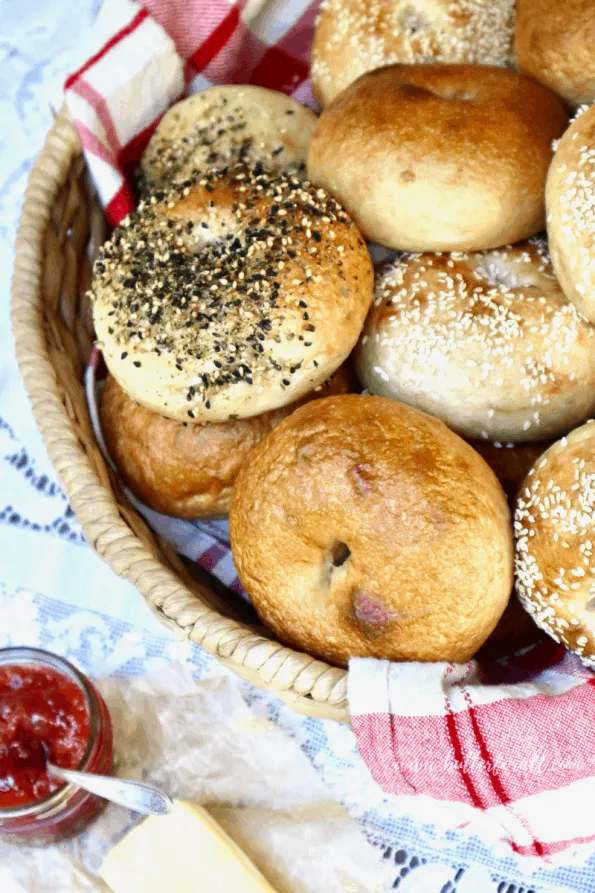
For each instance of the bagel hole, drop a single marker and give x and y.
(412, 22)
(335, 557)
(451, 94)
(495, 271)
(339, 553)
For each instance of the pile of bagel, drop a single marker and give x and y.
(402, 447)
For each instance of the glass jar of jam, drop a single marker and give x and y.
(46, 704)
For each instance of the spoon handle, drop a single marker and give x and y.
(132, 794)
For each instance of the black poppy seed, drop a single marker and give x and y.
(307, 344)
(303, 304)
(316, 235)
(190, 413)
(124, 355)
(208, 404)
(209, 188)
(286, 382)
(136, 363)
(290, 112)
(306, 317)
(315, 363)
(218, 365)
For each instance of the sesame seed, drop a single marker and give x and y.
(494, 321)
(205, 300)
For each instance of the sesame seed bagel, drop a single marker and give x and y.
(362, 527)
(188, 470)
(570, 202)
(230, 296)
(439, 157)
(486, 341)
(555, 44)
(554, 528)
(356, 36)
(223, 125)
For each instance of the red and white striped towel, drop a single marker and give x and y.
(505, 749)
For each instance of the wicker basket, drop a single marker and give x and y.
(60, 229)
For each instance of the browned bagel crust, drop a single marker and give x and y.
(363, 527)
(188, 470)
(439, 157)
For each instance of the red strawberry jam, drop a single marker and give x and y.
(39, 707)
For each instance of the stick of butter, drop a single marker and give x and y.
(182, 852)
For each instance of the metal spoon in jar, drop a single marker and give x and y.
(132, 794)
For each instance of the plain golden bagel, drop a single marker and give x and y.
(555, 44)
(362, 527)
(356, 36)
(225, 125)
(570, 202)
(439, 157)
(230, 296)
(188, 470)
(486, 341)
(554, 531)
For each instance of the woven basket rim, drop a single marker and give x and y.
(308, 685)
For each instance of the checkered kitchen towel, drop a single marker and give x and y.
(506, 750)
